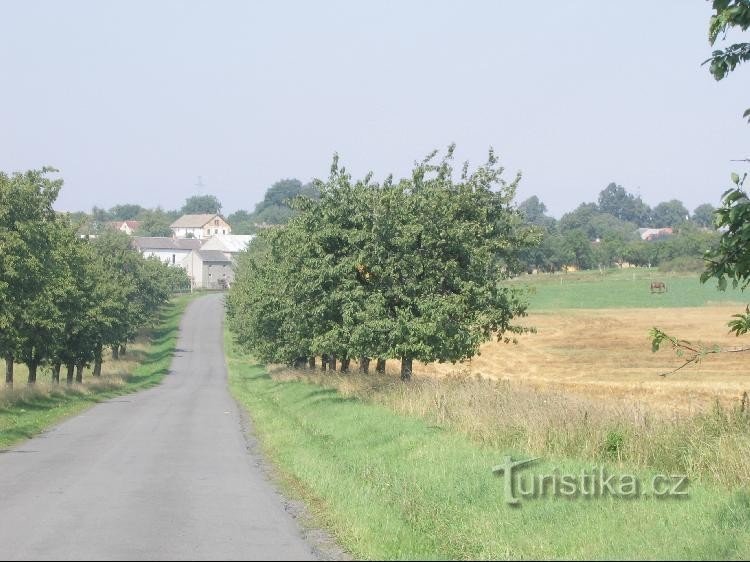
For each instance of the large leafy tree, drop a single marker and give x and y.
(669, 214)
(27, 311)
(408, 270)
(616, 201)
(703, 215)
(201, 204)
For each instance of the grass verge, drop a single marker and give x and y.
(25, 412)
(393, 486)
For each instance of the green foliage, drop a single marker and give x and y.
(409, 270)
(703, 215)
(728, 15)
(669, 214)
(201, 204)
(63, 298)
(154, 223)
(616, 201)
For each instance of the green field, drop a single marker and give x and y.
(25, 413)
(628, 288)
(394, 487)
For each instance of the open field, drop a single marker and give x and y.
(606, 353)
(26, 411)
(622, 288)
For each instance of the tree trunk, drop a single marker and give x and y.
(380, 366)
(406, 368)
(364, 365)
(33, 365)
(123, 349)
(69, 378)
(9, 371)
(332, 362)
(115, 352)
(311, 362)
(98, 361)
(56, 372)
(345, 365)
(323, 362)
(79, 372)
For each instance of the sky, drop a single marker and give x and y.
(152, 102)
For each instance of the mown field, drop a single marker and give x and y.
(26, 411)
(404, 471)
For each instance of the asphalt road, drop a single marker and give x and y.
(162, 474)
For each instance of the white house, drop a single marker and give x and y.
(200, 226)
(208, 269)
(169, 250)
(229, 244)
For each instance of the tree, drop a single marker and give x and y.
(411, 270)
(125, 212)
(728, 15)
(26, 266)
(201, 204)
(154, 223)
(703, 215)
(669, 214)
(535, 212)
(616, 201)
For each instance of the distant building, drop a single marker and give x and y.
(128, 227)
(229, 244)
(208, 269)
(654, 233)
(200, 226)
(169, 250)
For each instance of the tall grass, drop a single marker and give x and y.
(712, 446)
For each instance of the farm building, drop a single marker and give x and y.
(169, 250)
(208, 269)
(229, 244)
(200, 226)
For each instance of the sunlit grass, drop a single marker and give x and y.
(392, 482)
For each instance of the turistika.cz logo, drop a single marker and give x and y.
(595, 482)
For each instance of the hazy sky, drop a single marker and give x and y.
(133, 101)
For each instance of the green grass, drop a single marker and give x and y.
(30, 412)
(628, 288)
(393, 487)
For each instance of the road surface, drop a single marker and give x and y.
(162, 474)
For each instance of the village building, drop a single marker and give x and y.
(208, 269)
(128, 227)
(229, 244)
(200, 226)
(169, 250)
(654, 233)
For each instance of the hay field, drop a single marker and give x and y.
(606, 353)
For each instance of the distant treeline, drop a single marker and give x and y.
(64, 298)
(605, 234)
(274, 209)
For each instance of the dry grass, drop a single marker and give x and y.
(114, 375)
(712, 446)
(607, 354)
(586, 386)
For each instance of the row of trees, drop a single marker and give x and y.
(64, 299)
(408, 270)
(604, 234)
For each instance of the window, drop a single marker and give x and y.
(223, 231)
(216, 222)
(172, 259)
(216, 231)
